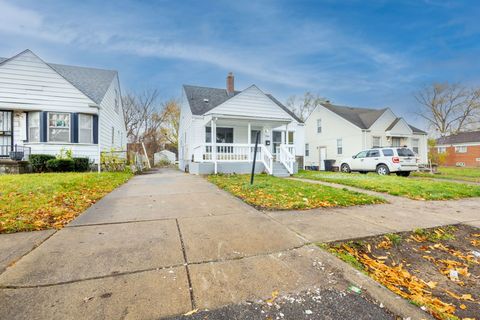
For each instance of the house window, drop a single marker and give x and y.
(461, 149)
(376, 142)
(442, 149)
(307, 150)
(396, 142)
(415, 145)
(224, 135)
(58, 127)
(117, 108)
(34, 126)
(339, 146)
(319, 125)
(85, 128)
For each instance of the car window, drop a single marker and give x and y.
(387, 152)
(362, 154)
(405, 152)
(373, 153)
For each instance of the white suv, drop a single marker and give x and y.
(383, 161)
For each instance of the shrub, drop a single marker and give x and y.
(39, 162)
(60, 165)
(81, 164)
(113, 161)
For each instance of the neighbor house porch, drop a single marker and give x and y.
(233, 149)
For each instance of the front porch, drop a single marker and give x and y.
(233, 150)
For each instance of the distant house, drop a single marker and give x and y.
(461, 149)
(218, 130)
(336, 132)
(45, 107)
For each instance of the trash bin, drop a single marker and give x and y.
(328, 164)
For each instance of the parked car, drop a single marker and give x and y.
(383, 161)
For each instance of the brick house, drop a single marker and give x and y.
(462, 149)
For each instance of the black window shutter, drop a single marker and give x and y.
(95, 129)
(26, 122)
(74, 129)
(43, 126)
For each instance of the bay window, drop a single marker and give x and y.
(85, 128)
(34, 126)
(58, 127)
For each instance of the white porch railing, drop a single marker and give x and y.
(232, 152)
(286, 156)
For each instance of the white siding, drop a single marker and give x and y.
(251, 101)
(110, 118)
(185, 133)
(78, 150)
(28, 83)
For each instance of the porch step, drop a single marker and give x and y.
(279, 170)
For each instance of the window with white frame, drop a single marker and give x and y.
(461, 149)
(34, 126)
(85, 128)
(117, 103)
(307, 150)
(441, 149)
(415, 143)
(376, 142)
(339, 146)
(319, 125)
(58, 127)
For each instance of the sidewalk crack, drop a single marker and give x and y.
(190, 287)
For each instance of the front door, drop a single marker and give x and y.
(322, 156)
(253, 136)
(276, 141)
(6, 133)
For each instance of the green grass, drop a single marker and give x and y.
(50, 200)
(453, 173)
(274, 193)
(417, 189)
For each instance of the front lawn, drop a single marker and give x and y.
(50, 200)
(436, 269)
(274, 193)
(453, 173)
(417, 189)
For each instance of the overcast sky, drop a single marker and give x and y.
(360, 53)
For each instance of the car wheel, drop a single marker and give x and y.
(345, 168)
(405, 173)
(383, 170)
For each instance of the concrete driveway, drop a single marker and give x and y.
(166, 243)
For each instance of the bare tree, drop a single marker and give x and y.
(138, 111)
(449, 108)
(302, 106)
(171, 122)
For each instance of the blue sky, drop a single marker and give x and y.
(360, 53)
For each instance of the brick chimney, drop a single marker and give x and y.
(230, 84)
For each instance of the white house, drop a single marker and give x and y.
(45, 107)
(336, 132)
(235, 118)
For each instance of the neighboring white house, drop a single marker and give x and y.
(45, 107)
(235, 118)
(336, 132)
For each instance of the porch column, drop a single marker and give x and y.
(286, 133)
(214, 144)
(249, 141)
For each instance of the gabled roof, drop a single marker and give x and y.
(416, 130)
(392, 125)
(203, 99)
(460, 137)
(363, 118)
(93, 82)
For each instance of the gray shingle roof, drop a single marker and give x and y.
(416, 130)
(204, 99)
(461, 137)
(361, 117)
(93, 82)
(390, 127)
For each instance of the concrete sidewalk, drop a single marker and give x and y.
(166, 243)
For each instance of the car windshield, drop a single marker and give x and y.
(404, 152)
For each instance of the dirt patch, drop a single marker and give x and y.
(437, 269)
